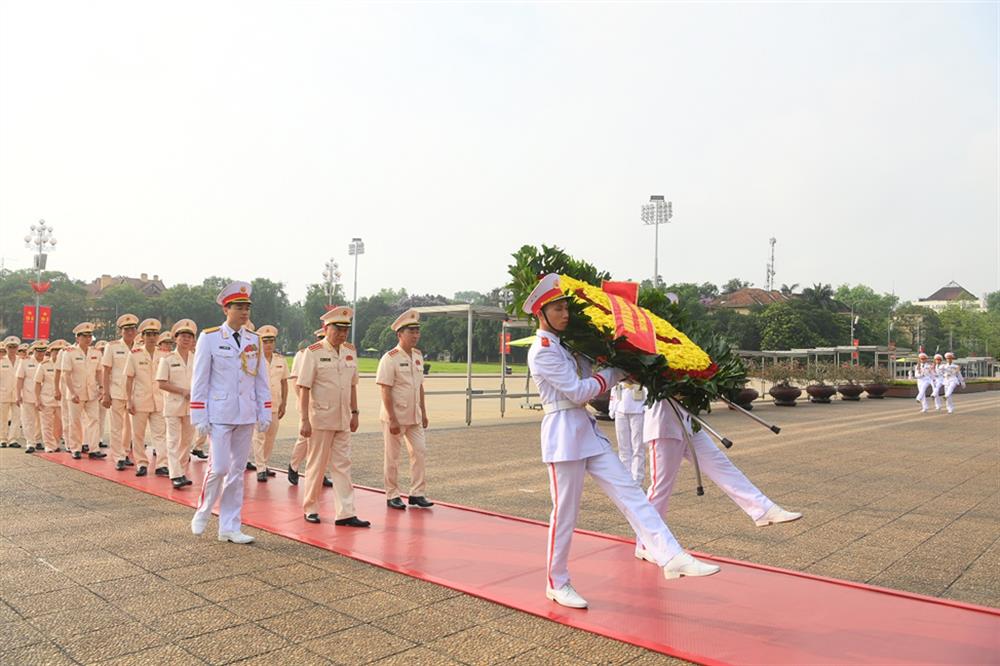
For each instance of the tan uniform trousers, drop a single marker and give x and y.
(83, 424)
(158, 436)
(31, 423)
(330, 448)
(180, 435)
(64, 421)
(10, 422)
(416, 446)
(199, 440)
(102, 421)
(299, 452)
(120, 438)
(263, 443)
(51, 427)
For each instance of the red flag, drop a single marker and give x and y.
(28, 330)
(44, 321)
(632, 323)
(627, 290)
(39, 287)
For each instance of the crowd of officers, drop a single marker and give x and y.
(57, 396)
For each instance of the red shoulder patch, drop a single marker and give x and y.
(545, 342)
(318, 345)
(393, 352)
(136, 351)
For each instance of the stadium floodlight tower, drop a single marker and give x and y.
(658, 211)
(357, 247)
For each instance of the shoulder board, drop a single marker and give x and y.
(393, 352)
(213, 329)
(544, 341)
(348, 345)
(314, 347)
(136, 351)
(418, 351)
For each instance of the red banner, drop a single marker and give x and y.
(633, 324)
(44, 322)
(28, 330)
(505, 343)
(627, 290)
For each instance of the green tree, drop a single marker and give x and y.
(873, 310)
(734, 284)
(379, 336)
(789, 289)
(182, 301)
(784, 327)
(993, 301)
(118, 300)
(918, 326)
(269, 301)
(820, 296)
(66, 297)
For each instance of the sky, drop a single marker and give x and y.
(255, 139)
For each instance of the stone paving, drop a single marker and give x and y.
(94, 572)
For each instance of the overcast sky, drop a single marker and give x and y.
(256, 138)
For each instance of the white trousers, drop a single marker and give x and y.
(10, 422)
(949, 388)
(227, 462)
(665, 457)
(937, 388)
(631, 449)
(923, 383)
(83, 424)
(566, 487)
(31, 423)
(180, 432)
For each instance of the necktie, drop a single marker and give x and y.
(236, 336)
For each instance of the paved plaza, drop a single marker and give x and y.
(95, 572)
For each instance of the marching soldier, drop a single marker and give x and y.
(229, 395)
(400, 378)
(173, 375)
(924, 373)
(937, 384)
(573, 446)
(626, 408)
(30, 419)
(45, 396)
(951, 378)
(10, 415)
(145, 401)
(301, 446)
(277, 373)
(114, 359)
(328, 405)
(78, 368)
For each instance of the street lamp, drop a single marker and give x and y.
(331, 278)
(657, 212)
(41, 240)
(355, 248)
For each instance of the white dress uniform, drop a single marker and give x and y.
(10, 415)
(229, 396)
(626, 408)
(924, 372)
(951, 378)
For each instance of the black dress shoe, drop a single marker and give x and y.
(30, 449)
(395, 503)
(102, 445)
(141, 471)
(97, 455)
(327, 483)
(293, 476)
(178, 482)
(86, 448)
(353, 521)
(312, 518)
(262, 477)
(128, 462)
(15, 445)
(3, 445)
(120, 465)
(187, 481)
(251, 466)
(162, 471)
(76, 455)
(420, 502)
(270, 472)
(198, 453)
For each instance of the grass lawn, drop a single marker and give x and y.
(370, 365)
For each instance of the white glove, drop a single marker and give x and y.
(262, 426)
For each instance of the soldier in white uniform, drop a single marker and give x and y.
(113, 398)
(937, 385)
(10, 415)
(328, 405)
(924, 373)
(173, 375)
(26, 400)
(145, 400)
(400, 378)
(78, 368)
(229, 396)
(573, 446)
(626, 407)
(45, 396)
(301, 446)
(951, 378)
(277, 374)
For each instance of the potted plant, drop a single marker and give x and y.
(878, 383)
(745, 396)
(817, 375)
(781, 376)
(850, 378)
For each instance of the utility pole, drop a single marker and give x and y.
(769, 279)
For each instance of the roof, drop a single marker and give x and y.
(951, 292)
(747, 298)
(150, 287)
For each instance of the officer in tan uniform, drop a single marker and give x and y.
(78, 367)
(328, 405)
(102, 416)
(277, 373)
(44, 383)
(165, 343)
(10, 415)
(301, 446)
(173, 375)
(26, 400)
(113, 398)
(400, 378)
(145, 400)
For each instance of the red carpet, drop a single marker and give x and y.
(747, 614)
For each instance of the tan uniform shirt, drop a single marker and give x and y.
(45, 374)
(26, 370)
(277, 370)
(115, 357)
(174, 369)
(146, 393)
(296, 367)
(80, 372)
(329, 376)
(8, 379)
(405, 374)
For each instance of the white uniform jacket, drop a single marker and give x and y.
(224, 388)
(924, 371)
(565, 384)
(661, 422)
(627, 398)
(951, 372)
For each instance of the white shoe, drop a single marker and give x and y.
(923, 411)
(198, 526)
(776, 515)
(643, 554)
(236, 537)
(566, 596)
(683, 564)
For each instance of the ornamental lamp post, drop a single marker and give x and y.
(41, 240)
(354, 249)
(331, 278)
(658, 211)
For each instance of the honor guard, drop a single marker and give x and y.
(328, 408)
(10, 415)
(277, 377)
(173, 376)
(400, 378)
(937, 384)
(26, 399)
(951, 378)
(145, 400)
(924, 373)
(229, 396)
(301, 446)
(573, 446)
(78, 367)
(45, 396)
(626, 407)
(113, 361)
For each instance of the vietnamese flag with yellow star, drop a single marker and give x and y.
(631, 321)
